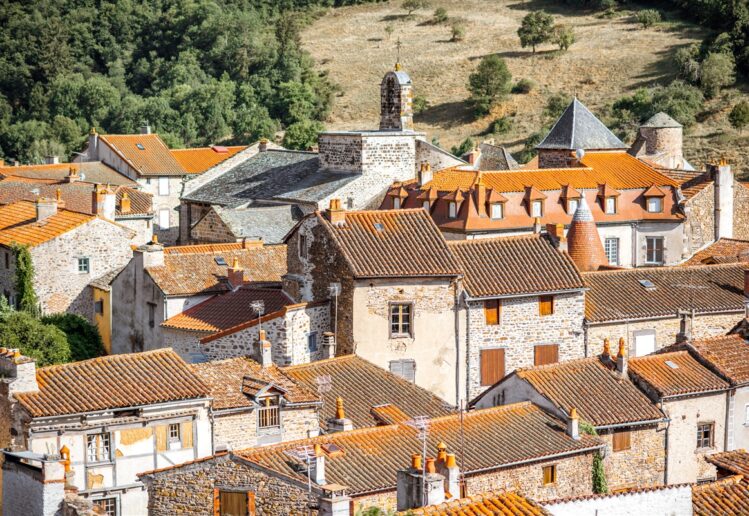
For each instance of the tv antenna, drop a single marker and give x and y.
(303, 454)
(421, 424)
(258, 306)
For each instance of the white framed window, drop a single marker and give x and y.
(98, 447)
(400, 319)
(497, 210)
(572, 205)
(84, 265)
(610, 205)
(426, 205)
(163, 186)
(396, 203)
(537, 209)
(312, 342)
(107, 506)
(644, 342)
(655, 205)
(611, 246)
(654, 250)
(173, 433)
(164, 218)
(452, 210)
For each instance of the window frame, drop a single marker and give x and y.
(543, 300)
(106, 446)
(575, 200)
(426, 205)
(621, 440)
(499, 375)
(498, 206)
(151, 314)
(452, 210)
(540, 205)
(397, 203)
(552, 475)
(401, 362)
(86, 262)
(746, 414)
(249, 500)
(312, 337)
(655, 250)
(302, 250)
(659, 200)
(606, 201)
(163, 186)
(115, 501)
(496, 320)
(616, 241)
(170, 439)
(710, 425)
(268, 413)
(401, 334)
(166, 211)
(539, 347)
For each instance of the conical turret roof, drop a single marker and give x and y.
(578, 128)
(583, 242)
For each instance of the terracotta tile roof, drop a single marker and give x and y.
(583, 241)
(675, 374)
(695, 185)
(363, 385)
(153, 159)
(198, 160)
(199, 273)
(494, 438)
(211, 248)
(618, 295)
(599, 394)
(18, 224)
(725, 250)
(225, 379)
(388, 414)
(500, 503)
(228, 310)
(392, 243)
(115, 381)
(89, 171)
(514, 265)
(728, 355)
(736, 462)
(728, 496)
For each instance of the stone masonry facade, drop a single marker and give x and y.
(741, 211)
(643, 465)
(700, 223)
(240, 431)
(169, 202)
(211, 229)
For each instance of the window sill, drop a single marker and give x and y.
(108, 462)
(401, 336)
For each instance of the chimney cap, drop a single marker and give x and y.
(155, 239)
(451, 462)
(606, 347)
(340, 413)
(573, 413)
(622, 348)
(416, 461)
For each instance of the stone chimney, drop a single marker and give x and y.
(340, 423)
(334, 501)
(328, 345)
(262, 145)
(573, 424)
(145, 129)
(59, 199)
(18, 371)
(235, 274)
(621, 358)
(606, 354)
(425, 173)
(723, 200)
(52, 160)
(583, 241)
(266, 351)
(92, 151)
(447, 466)
(73, 175)
(125, 206)
(45, 208)
(103, 202)
(153, 253)
(410, 493)
(317, 466)
(558, 238)
(335, 214)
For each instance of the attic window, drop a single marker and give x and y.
(220, 261)
(332, 449)
(647, 284)
(379, 227)
(140, 146)
(671, 365)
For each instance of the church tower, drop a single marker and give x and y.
(396, 101)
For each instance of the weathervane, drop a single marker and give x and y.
(398, 54)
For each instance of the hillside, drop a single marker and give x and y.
(612, 57)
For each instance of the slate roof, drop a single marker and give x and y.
(728, 355)
(153, 159)
(661, 120)
(199, 159)
(618, 295)
(578, 128)
(725, 250)
(268, 223)
(228, 310)
(191, 273)
(394, 243)
(727, 496)
(687, 377)
(494, 438)
(225, 380)
(495, 157)
(499, 503)
(364, 386)
(514, 265)
(736, 462)
(18, 224)
(110, 382)
(90, 172)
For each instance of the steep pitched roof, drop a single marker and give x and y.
(728, 355)
(736, 462)
(499, 503)
(395, 243)
(514, 265)
(89, 172)
(495, 157)
(110, 382)
(726, 496)
(619, 295)
(675, 374)
(199, 159)
(146, 153)
(268, 223)
(363, 386)
(18, 224)
(661, 120)
(578, 128)
(725, 250)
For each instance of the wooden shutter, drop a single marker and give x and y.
(545, 305)
(546, 354)
(409, 370)
(250, 503)
(185, 433)
(161, 432)
(492, 366)
(622, 440)
(216, 502)
(491, 311)
(550, 474)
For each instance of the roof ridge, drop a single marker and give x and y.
(646, 270)
(477, 241)
(339, 358)
(109, 358)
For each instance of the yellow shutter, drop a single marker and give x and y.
(161, 431)
(186, 434)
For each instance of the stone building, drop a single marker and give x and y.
(724, 250)
(652, 308)
(393, 285)
(110, 418)
(68, 250)
(523, 304)
(364, 468)
(599, 390)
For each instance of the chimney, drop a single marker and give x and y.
(262, 145)
(573, 424)
(409, 490)
(145, 129)
(606, 354)
(723, 199)
(125, 203)
(92, 151)
(583, 241)
(328, 345)
(317, 466)
(425, 173)
(621, 358)
(103, 202)
(235, 274)
(481, 196)
(340, 423)
(20, 371)
(447, 466)
(153, 253)
(335, 214)
(73, 175)
(266, 354)
(51, 160)
(334, 501)
(556, 232)
(45, 208)
(58, 198)
(537, 225)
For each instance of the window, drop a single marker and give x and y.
(655, 204)
(268, 415)
(497, 210)
(99, 307)
(7, 260)
(537, 209)
(545, 305)
(546, 354)
(151, 315)
(400, 320)
(572, 205)
(163, 186)
(654, 250)
(107, 506)
(644, 342)
(173, 433)
(426, 205)
(622, 440)
(396, 203)
(452, 210)
(312, 342)
(302, 246)
(705, 435)
(550, 474)
(492, 365)
(84, 265)
(405, 368)
(97, 447)
(233, 503)
(164, 218)
(148, 180)
(492, 312)
(610, 205)
(611, 246)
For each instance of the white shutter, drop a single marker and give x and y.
(164, 218)
(644, 344)
(163, 186)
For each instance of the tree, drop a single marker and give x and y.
(411, 6)
(389, 30)
(440, 15)
(83, 337)
(489, 84)
(648, 17)
(564, 36)
(302, 135)
(600, 485)
(457, 30)
(716, 72)
(420, 104)
(739, 116)
(555, 106)
(43, 342)
(465, 146)
(536, 28)
(27, 300)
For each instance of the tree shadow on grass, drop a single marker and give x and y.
(396, 17)
(447, 115)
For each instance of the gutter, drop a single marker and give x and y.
(692, 394)
(528, 294)
(658, 317)
(635, 423)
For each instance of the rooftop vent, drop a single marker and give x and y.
(220, 261)
(140, 146)
(379, 226)
(220, 149)
(649, 285)
(671, 365)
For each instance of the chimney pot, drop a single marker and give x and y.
(606, 348)
(335, 214)
(621, 358)
(430, 468)
(125, 205)
(45, 208)
(266, 350)
(339, 412)
(573, 424)
(262, 145)
(416, 461)
(235, 274)
(451, 461)
(328, 345)
(339, 423)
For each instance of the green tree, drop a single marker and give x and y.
(717, 71)
(302, 135)
(600, 485)
(648, 17)
(489, 84)
(83, 337)
(457, 30)
(411, 6)
(739, 116)
(564, 36)
(536, 28)
(555, 106)
(420, 104)
(465, 146)
(440, 15)
(44, 343)
(27, 301)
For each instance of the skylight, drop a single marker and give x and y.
(220, 261)
(647, 284)
(378, 226)
(140, 146)
(671, 365)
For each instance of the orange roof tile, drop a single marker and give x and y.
(146, 153)
(212, 248)
(115, 381)
(500, 503)
(388, 414)
(89, 172)
(198, 160)
(18, 224)
(728, 355)
(675, 374)
(736, 462)
(728, 496)
(725, 250)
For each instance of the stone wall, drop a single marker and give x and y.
(548, 158)
(436, 157)
(29, 491)
(143, 228)
(164, 202)
(211, 229)
(521, 328)
(643, 465)
(189, 489)
(700, 223)
(341, 151)
(740, 211)
(240, 431)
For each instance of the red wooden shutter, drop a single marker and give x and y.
(216, 502)
(545, 305)
(250, 503)
(491, 312)
(492, 366)
(546, 354)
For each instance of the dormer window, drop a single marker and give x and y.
(655, 204)
(396, 203)
(572, 205)
(610, 205)
(268, 415)
(496, 210)
(427, 205)
(452, 210)
(571, 198)
(537, 209)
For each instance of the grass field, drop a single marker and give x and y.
(612, 57)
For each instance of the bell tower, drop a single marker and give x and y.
(396, 101)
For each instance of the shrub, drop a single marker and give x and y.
(688, 61)
(739, 116)
(489, 84)
(600, 485)
(389, 30)
(648, 17)
(302, 135)
(420, 104)
(536, 28)
(564, 36)
(523, 86)
(466, 145)
(457, 31)
(440, 15)
(680, 100)
(529, 149)
(716, 72)
(24, 281)
(44, 343)
(501, 125)
(82, 336)
(555, 106)
(411, 6)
